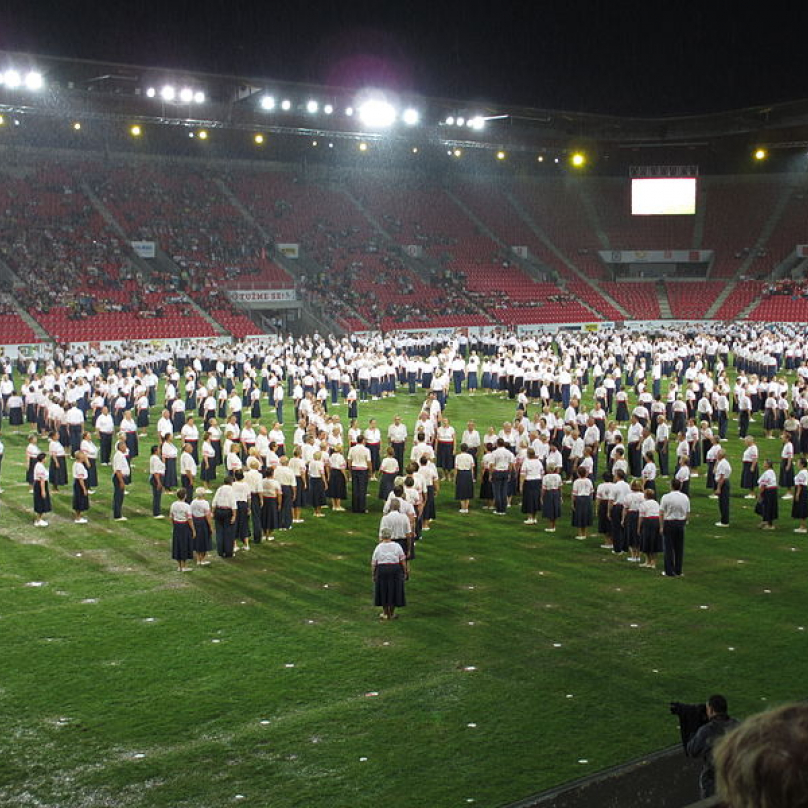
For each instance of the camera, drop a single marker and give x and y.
(691, 717)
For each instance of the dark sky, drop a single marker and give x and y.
(620, 56)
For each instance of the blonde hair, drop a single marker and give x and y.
(764, 762)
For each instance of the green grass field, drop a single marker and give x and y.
(523, 659)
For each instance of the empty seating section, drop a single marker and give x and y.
(781, 308)
(739, 299)
(14, 330)
(736, 210)
(638, 298)
(588, 294)
(690, 300)
(792, 229)
(612, 201)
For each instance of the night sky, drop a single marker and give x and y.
(616, 57)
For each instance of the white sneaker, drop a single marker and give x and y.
(720, 524)
(40, 523)
(81, 521)
(787, 496)
(801, 529)
(159, 516)
(121, 519)
(750, 496)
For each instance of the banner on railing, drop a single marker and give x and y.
(656, 256)
(519, 250)
(289, 250)
(143, 249)
(262, 295)
(414, 250)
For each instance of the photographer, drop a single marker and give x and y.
(702, 742)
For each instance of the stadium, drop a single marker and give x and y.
(272, 278)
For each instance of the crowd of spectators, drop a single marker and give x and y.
(788, 287)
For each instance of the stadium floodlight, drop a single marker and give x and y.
(202, 134)
(151, 92)
(2, 121)
(12, 79)
(328, 109)
(199, 97)
(761, 154)
(460, 121)
(450, 120)
(259, 139)
(410, 116)
(314, 143)
(267, 102)
(477, 122)
(312, 106)
(349, 111)
(578, 160)
(186, 95)
(540, 158)
(415, 150)
(501, 155)
(286, 104)
(457, 152)
(377, 114)
(76, 126)
(168, 93)
(363, 147)
(135, 131)
(33, 80)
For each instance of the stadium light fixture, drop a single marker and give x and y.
(199, 97)
(12, 79)
(377, 114)
(202, 134)
(450, 121)
(2, 121)
(186, 95)
(267, 102)
(349, 112)
(330, 145)
(259, 139)
(168, 93)
(415, 150)
(761, 154)
(461, 121)
(151, 92)
(501, 155)
(286, 105)
(578, 160)
(77, 126)
(458, 152)
(410, 116)
(33, 80)
(363, 147)
(135, 131)
(328, 109)
(314, 143)
(477, 122)
(540, 158)
(312, 106)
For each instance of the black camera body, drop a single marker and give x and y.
(691, 718)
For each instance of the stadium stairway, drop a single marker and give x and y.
(37, 329)
(539, 274)
(214, 324)
(107, 215)
(664, 302)
(594, 218)
(765, 234)
(719, 301)
(542, 236)
(424, 267)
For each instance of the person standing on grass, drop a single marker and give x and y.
(767, 506)
(388, 569)
(551, 497)
(81, 491)
(787, 466)
(337, 488)
(389, 469)
(722, 472)
(582, 491)
(224, 515)
(602, 497)
(187, 471)
(203, 528)
(799, 507)
(674, 510)
(749, 472)
(183, 534)
(120, 474)
(649, 529)
(631, 520)
(464, 478)
(157, 472)
(241, 492)
(359, 465)
(501, 463)
(41, 490)
(317, 477)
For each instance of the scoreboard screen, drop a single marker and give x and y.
(663, 196)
